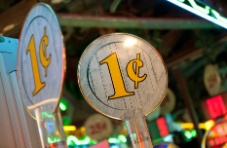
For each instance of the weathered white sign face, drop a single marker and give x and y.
(41, 59)
(168, 103)
(212, 79)
(121, 72)
(98, 127)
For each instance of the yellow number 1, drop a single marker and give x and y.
(115, 73)
(35, 69)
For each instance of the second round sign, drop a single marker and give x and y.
(41, 59)
(121, 72)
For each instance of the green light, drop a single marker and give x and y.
(199, 8)
(134, 135)
(46, 115)
(206, 12)
(66, 120)
(113, 140)
(93, 142)
(53, 139)
(218, 16)
(72, 140)
(86, 140)
(193, 133)
(188, 134)
(122, 138)
(63, 105)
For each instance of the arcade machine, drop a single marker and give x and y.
(19, 129)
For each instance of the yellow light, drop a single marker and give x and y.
(187, 125)
(202, 125)
(130, 42)
(191, 126)
(69, 128)
(209, 124)
(82, 129)
(206, 125)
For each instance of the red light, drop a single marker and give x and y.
(211, 142)
(216, 106)
(215, 142)
(162, 126)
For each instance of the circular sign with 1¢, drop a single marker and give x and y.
(41, 59)
(121, 72)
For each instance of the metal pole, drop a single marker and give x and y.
(86, 21)
(188, 102)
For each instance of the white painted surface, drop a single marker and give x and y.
(212, 79)
(40, 17)
(97, 85)
(98, 127)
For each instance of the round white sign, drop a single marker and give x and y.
(212, 79)
(98, 127)
(41, 59)
(121, 72)
(168, 103)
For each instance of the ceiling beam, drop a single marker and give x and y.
(74, 20)
(193, 53)
(13, 18)
(185, 55)
(15, 15)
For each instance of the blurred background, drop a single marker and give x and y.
(193, 49)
